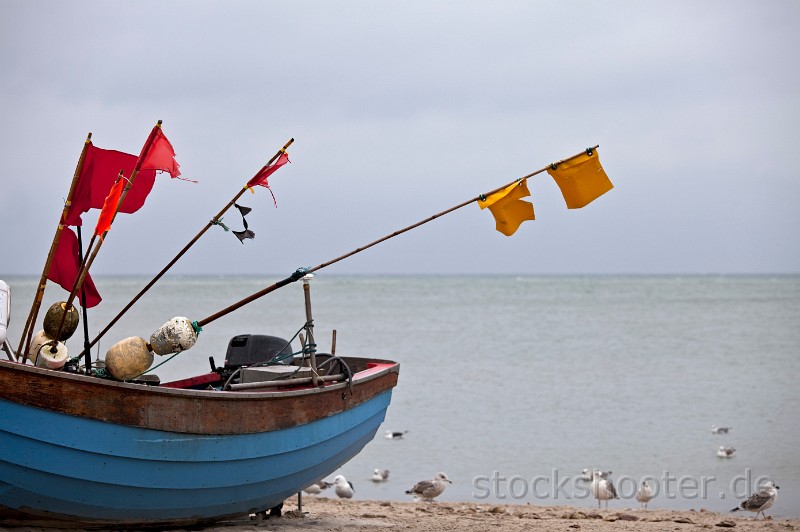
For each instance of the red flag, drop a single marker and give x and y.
(261, 177)
(64, 269)
(109, 207)
(100, 170)
(160, 155)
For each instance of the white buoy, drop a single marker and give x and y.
(52, 360)
(38, 340)
(128, 358)
(173, 337)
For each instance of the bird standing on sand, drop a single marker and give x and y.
(719, 430)
(389, 435)
(588, 474)
(602, 488)
(725, 452)
(317, 487)
(427, 490)
(758, 502)
(644, 494)
(343, 487)
(379, 475)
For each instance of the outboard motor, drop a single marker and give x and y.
(247, 350)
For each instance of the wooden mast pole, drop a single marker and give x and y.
(27, 331)
(311, 346)
(89, 259)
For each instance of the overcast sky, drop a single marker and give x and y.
(401, 110)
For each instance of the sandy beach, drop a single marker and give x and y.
(325, 514)
(335, 514)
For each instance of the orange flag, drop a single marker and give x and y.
(508, 208)
(581, 180)
(109, 208)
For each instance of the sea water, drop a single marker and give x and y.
(512, 385)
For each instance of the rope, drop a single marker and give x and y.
(226, 386)
(298, 274)
(158, 365)
(215, 221)
(101, 373)
(344, 368)
(280, 358)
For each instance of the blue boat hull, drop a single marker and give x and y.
(76, 451)
(90, 470)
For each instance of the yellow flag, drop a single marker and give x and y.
(581, 180)
(507, 207)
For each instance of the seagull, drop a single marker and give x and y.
(344, 488)
(379, 475)
(588, 474)
(602, 488)
(644, 494)
(758, 502)
(389, 435)
(427, 490)
(719, 430)
(725, 452)
(316, 488)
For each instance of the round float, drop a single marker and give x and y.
(38, 340)
(52, 320)
(128, 358)
(173, 337)
(52, 357)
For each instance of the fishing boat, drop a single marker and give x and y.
(82, 451)
(90, 445)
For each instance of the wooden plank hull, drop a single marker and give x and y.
(97, 455)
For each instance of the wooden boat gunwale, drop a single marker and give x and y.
(191, 411)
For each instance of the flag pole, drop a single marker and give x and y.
(27, 331)
(180, 254)
(84, 310)
(302, 271)
(88, 260)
